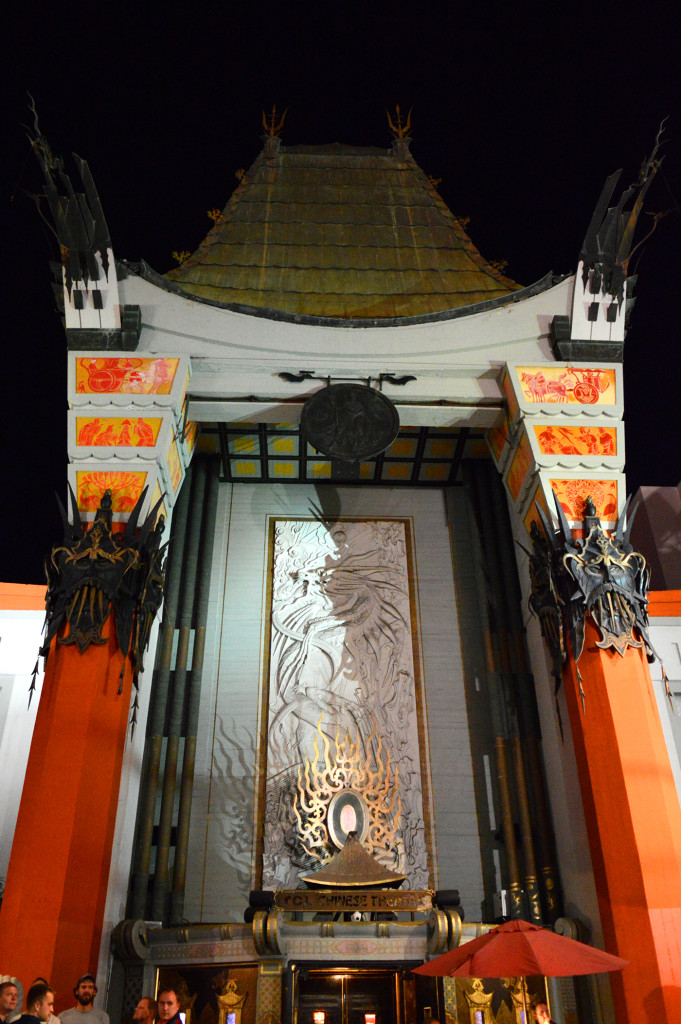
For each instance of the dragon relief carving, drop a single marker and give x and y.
(341, 648)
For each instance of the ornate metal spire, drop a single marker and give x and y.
(273, 128)
(400, 129)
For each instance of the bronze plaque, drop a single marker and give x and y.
(350, 422)
(365, 900)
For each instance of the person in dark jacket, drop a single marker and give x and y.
(168, 1003)
(39, 1005)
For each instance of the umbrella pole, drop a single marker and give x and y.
(523, 987)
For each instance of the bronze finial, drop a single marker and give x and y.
(400, 130)
(271, 125)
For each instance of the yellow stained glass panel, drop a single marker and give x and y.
(442, 449)
(242, 445)
(435, 472)
(403, 446)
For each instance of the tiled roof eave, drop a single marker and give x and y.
(148, 274)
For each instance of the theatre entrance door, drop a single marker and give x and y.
(359, 995)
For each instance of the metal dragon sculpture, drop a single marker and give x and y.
(599, 577)
(95, 570)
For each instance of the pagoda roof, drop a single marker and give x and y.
(339, 231)
(353, 867)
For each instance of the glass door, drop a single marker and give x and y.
(351, 996)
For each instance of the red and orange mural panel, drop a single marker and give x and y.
(174, 466)
(532, 514)
(559, 440)
(511, 399)
(567, 386)
(125, 488)
(497, 437)
(572, 495)
(191, 434)
(156, 496)
(125, 376)
(131, 432)
(522, 461)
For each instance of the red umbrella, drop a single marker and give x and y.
(518, 949)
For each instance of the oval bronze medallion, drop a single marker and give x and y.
(350, 422)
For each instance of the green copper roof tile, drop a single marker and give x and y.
(339, 231)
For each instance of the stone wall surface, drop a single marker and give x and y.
(227, 816)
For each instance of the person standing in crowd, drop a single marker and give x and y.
(542, 1015)
(9, 995)
(168, 1006)
(145, 1011)
(53, 1018)
(39, 1005)
(84, 1012)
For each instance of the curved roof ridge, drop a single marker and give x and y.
(276, 238)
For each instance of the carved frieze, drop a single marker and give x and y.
(341, 665)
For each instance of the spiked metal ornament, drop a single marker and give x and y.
(95, 570)
(600, 577)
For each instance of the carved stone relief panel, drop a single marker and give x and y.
(341, 665)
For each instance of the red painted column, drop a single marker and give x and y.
(634, 825)
(53, 908)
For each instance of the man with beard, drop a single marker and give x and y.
(145, 1011)
(39, 1005)
(168, 1006)
(84, 1011)
(9, 995)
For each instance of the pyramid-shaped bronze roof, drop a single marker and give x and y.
(353, 867)
(339, 231)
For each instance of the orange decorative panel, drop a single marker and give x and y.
(572, 495)
(532, 514)
(125, 376)
(156, 496)
(567, 386)
(497, 437)
(125, 488)
(555, 440)
(174, 467)
(190, 435)
(520, 466)
(131, 432)
(510, 396)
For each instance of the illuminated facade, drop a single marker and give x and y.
(346, 645)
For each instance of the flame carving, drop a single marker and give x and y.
(348, 768)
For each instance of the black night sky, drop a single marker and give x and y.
(521, 111)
